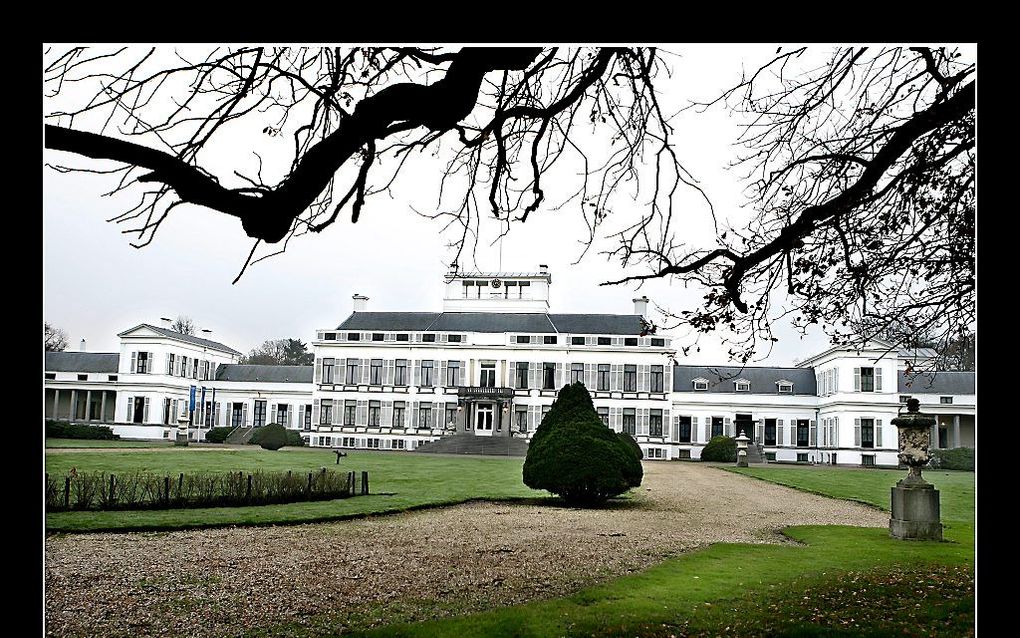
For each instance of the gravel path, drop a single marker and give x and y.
(414, 566)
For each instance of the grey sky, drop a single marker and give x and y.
(96, 284)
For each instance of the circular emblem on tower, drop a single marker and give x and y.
(496, 283)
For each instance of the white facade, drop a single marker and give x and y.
(490, 364)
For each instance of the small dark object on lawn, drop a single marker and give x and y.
(338, 455)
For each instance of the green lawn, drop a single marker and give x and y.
(398, 481)
(842, 581)
(96, 443)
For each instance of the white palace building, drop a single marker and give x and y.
(489, 365)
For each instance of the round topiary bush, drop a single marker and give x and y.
(272, 436)
(218, 435)
(635, 449)
(575, 456)
(721, 449)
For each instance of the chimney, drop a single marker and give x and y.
(360, 302)
(543, 268)
(641, 306)
(166, 322)
(453, 270)
(82, 346)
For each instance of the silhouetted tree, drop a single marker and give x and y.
(861, 166)
(183, 325)
(280, 352)
(54, 339)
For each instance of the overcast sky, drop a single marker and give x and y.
(96, 284)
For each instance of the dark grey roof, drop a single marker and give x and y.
(937, 382)
(82, 361)
(494, 322)
(763, 380)
(598, 324)
(268, 374)
(198, 341)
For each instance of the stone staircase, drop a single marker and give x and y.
(470, 444)
(239, 436)
(755, 455)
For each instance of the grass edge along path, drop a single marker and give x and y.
(704, 590)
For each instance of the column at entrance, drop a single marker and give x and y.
(56, 402)
(956, 430)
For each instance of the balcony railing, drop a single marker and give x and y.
(470, 391)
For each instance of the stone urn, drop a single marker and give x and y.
(742, 449)
(915, 502)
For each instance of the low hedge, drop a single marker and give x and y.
(961, 458)
(82, 491)
(721, 449)
(65, 430)
(218, 435)
(292, 438)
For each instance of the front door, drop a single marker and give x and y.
(483, 420)
(744, 424)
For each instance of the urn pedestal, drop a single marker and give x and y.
(742, 449)
(916, 513)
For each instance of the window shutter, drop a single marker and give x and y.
(533, 376)
(676, 429)
(759, 429)
(835, 380)
(169, 363)
(644, 380)
(560, 382)
(417, 379)
(857, 381)
(145, 411)
(414, 414)
(813, 434)
(366, 370)
(362, 414)
(878, 379)
(386, 415)
(835, 432)
(727, 426)
(665, 423)
(130, 409)
(244, 415)
(461, 369)
(301, 416)
(390, 336)
(667, 378)
(779, 432)
(134, 360)
(615, 377)
(388, 371)
(878, 432)
(272, 416)
(857, 433)
(318, 369)
(589, 376)
(589, 341)
(441, 382)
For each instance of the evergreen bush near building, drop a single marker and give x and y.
(961, 458)
(721, 449)
(270, 437)
(65, 430)
(575, 456)
(218, 435)
(628, 441)
(294, 439)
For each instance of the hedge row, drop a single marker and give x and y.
(65, 430)
(961, 458)
(275, 436)
(139, 490)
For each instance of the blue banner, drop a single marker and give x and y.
(192, 404)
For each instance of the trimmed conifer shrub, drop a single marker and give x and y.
(721, 449)
(271, 437)
(218, 435)
(575, 456)
(632, 445)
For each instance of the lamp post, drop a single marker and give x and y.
(742, 449)
(915, 502)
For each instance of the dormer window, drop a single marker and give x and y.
(785, 387)
(743, 385)
(700, 385)
(354, 336)
(523, 339)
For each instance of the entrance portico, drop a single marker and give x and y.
(486, 409)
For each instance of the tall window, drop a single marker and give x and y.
(867, 428)
(452, 374)
(326, 412)
(426, 373)
(522, 375)
(867, 379)
(281, 414)
(308, 417)
(630, 378)
(604, 415)
(170, 363)
(521, 418)
(603, 378)
(425, 417)
(374, 408)
(142, 364)
(350, 412)
(577, 373)
(770, 431)
(717, 426)
(400, 372)
(548, 376)
(629, 421)
(375, 372)
(656, 382)
(684, 434)
(451, 417)
(353, 372)
(802, 433)
(260, 413)
(398, 414)
(327, 370)
(655, 423)
(194, 368)
(488, 375)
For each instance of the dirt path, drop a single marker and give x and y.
(417, 565)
